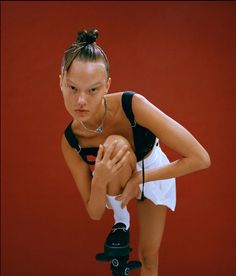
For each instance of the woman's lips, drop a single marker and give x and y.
(81, 110)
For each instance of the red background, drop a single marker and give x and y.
(182, 57)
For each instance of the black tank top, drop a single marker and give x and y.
(144, 139)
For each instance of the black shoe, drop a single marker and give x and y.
(117, 242)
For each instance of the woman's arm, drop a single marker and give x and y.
(92, 191)
(173, 135)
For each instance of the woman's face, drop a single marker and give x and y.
(83, 88)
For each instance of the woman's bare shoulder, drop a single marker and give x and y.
(114, 102)
(114, 96)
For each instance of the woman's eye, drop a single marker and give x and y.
(71, 87)
(93, 90)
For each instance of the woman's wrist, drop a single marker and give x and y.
(138, 178)
(99, 182)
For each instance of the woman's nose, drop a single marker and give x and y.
(81, 99)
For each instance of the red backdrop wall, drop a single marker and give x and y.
(182, 57)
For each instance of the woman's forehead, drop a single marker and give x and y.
(89, 72)
(88, 66)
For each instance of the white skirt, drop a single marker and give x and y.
(160, 192)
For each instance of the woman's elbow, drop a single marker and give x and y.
(205, 161)
(208, 161)
(95, 217)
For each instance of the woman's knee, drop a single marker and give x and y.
(149, 259)
(121, 141)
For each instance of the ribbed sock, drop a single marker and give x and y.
(120, 215)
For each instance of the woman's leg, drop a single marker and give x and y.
(116, 186)
(119, 235)
(151, 219)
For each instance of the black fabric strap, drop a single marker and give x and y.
(127, 106)
(144, 139)
(142, 196)
(70, 137)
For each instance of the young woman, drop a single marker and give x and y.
(122, 131)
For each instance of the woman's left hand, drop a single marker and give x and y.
(131, 189)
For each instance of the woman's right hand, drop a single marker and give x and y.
(110, 161)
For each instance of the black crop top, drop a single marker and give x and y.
(144, 139)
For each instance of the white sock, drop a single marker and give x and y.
(120, 215)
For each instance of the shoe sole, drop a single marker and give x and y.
(117, 251)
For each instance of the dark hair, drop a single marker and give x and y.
(84, 48)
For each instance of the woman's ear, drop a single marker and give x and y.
(108, 85)
(60, 78)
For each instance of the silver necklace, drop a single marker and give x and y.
(99, 129)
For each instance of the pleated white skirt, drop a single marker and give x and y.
(160, 192)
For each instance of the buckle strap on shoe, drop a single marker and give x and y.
(121, 228)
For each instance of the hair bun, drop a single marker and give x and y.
(87, 37)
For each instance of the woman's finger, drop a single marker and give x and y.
(125, 202)
(119, 155)
(118, 166)
(99, 154)
(109, 150)
(120, 197)
(124, 199)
